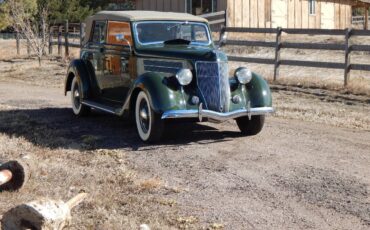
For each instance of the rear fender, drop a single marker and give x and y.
(77, 68)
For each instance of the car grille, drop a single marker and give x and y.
(213, 84)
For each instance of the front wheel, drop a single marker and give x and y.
(149, 124)
(251, 127)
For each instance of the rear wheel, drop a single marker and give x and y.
(76, 96)
(149, 124)
(251, 127)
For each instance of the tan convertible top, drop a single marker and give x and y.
(137, 16)
(145, 15)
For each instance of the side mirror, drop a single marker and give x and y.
(121, 38)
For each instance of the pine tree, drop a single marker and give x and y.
(30, 7)
(71, 10)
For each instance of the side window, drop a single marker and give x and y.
(312, 7)
(119, 33)
(99, 32)
(200, 34)
(201, 6)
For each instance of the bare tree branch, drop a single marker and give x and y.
(34, 29)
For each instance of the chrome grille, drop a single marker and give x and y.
(213, 84)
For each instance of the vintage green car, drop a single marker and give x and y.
(159, 66)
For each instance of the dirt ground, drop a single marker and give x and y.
(309, 168)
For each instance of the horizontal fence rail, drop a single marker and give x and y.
(18, 37)
(216, 20)
(278, 45)
(359, 19)
(60, 35)
(8, 35)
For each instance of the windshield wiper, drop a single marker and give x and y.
(177, 41)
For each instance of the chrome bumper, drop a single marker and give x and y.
(200, 113)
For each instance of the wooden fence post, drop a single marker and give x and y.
(66, 35)
(82, 29)
(17, 41)
(347, 67)
(51, 41)
(59, 40)
(28, 47)
(226, 19)
(277, 53)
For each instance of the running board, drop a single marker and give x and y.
(102, 107)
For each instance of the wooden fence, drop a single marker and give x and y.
(278, 45)
(60, 35)
(359, 20)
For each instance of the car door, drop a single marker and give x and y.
(116, 80)
(94, 55)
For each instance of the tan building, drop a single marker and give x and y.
(324, 14)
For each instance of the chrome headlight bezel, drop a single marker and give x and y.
(184, 76)
(243, 75)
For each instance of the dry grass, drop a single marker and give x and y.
(118, 196)
(186, 222)
(311, 77)
(68, 164)
(216, 226)
(150, 184)
(326, 109)
(26, 69)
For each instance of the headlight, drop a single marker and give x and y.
(243, 75)
(184, 76)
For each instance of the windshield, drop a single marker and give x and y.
(165, 32)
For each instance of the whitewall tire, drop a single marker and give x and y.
(149, 124)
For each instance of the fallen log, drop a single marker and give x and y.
(43, 214)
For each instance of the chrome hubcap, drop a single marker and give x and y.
(76, 97)
(77, 94)
(144, 116)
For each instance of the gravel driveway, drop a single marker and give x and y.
(294, 175)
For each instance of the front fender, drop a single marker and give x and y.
(259, 92)
(77, 68)
(162, 97)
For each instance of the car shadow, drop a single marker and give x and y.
(59, 128)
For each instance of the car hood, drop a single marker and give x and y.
(188, 52)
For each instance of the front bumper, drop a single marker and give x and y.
(200, 113)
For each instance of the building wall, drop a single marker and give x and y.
(246, 13)
(161, 5)
(330, 14)
(171, 5)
